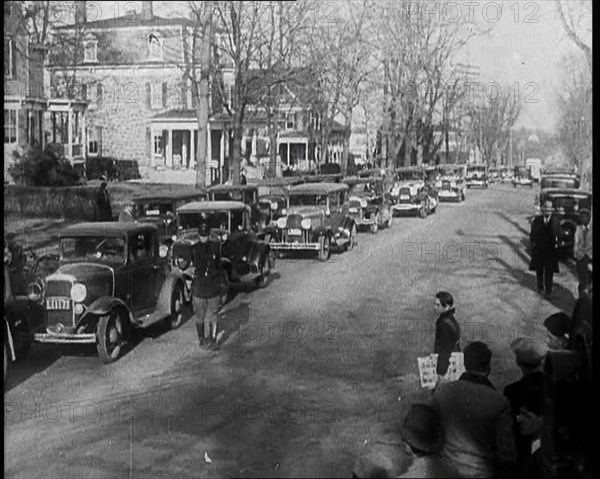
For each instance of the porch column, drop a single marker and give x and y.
(84, 143)
(152, 135)
(289, 162)
(222, 155)
(306, 152)
(192, 150)
(208, 153)
(169, 151)
(70, 135)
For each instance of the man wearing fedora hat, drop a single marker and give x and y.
(529, 355)
(475, 421)
(544, 248)
(582, 249)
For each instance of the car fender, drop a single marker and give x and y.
(349, 222)
(101, 307)
(172, 281)
(8, 340)
(322, 230)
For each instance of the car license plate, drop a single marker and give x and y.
(58, 303)
(152, 212)
(352, 210)
(294, 232)
(404, 197)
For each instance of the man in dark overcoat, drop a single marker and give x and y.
(103, 207)
(544, 248)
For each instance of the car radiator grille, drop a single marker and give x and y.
(294, 221)
(58, 288)
(56, 318)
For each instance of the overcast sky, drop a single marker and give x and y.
(525, 49)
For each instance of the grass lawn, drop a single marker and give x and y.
(43, 232)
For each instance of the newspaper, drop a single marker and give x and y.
(428, 365)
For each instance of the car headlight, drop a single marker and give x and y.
(35, 291)
(284, 211)
(363, 203)
(282, 223)
(182, 263)
(274, 205)
(174, 237)
(224, 237)
(78, 309)
(306, 223)
(78, 292)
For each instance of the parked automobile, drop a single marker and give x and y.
(477, 176)
(522, 177)
(246, 257)
(273, 206)
(318, 219)
(451, 182)
(560, 180)
(160, 211)
(506, 174)
(369, 204)
(113, 278)
(567, 204)
(247, 194)
(494, 175)
(410, 194)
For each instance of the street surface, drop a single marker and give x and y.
(317, 366)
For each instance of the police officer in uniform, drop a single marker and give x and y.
(207, 286)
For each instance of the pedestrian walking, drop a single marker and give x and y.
(582, 249)
(103, 207)
(529, 355)
(544, 248)
(447, 332)
(206, 287)
(475, 421)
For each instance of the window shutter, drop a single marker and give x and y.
(149, 95)
(184, 94)
(83, 91)
(99, 93)
(164, 94)
(99, 139)
(297, 120)
(13, 58)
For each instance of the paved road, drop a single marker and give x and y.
(317, 366)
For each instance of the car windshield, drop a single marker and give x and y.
(410, 176)
(214, 219)
(559, 183)
(361, 189)
(153, 208)
(308, 200)
(570, 203)
(93, 248)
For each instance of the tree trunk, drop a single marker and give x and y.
(237, 147)
(347, 133)
(201, 147)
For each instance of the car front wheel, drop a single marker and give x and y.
(265, 270)
(423, 211)
(390, 221)
(110, 337)
(375, 224)
(324, 248)
(176, 317)
(6, 356)
(352, 238)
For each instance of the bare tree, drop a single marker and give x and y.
(572, 16)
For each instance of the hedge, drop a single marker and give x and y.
(71, 203)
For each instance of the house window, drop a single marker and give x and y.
(158, 145)
(9, 60)
(94, 135)
(156, 95)
(155, 47)
(10, 126)
(290, 121)
(90, 51)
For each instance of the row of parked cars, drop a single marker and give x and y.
(111, 278)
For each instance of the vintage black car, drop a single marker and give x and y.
(369, 204)
(451, 182)
(411, 195)
(160, 211)
(477, 176)
(560, 180)
(113, 277)
(318, 219)
(247, 194)
(522, 177)
(246, 258)
(567, 204)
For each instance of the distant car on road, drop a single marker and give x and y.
(369, 204)
(451, 184)
(317, 219)
(113, 278)
(522, 177)
(410, 194)
(477, 176)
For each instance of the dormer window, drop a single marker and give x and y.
(90, 50)
(155, 47)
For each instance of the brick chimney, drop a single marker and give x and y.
(147, 11)
(80, 12)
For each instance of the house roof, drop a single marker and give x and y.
(317, 188)
(209, 206)
(106, 228)
(128, 21)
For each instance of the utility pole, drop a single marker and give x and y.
(203, 92)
